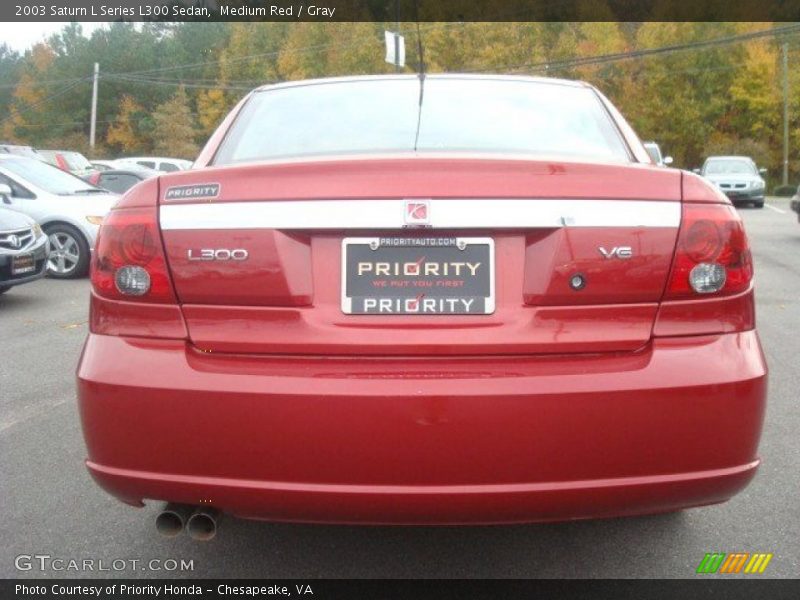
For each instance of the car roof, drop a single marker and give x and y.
(143, 171)
(729, 157)
(411, 76)
(164, 158)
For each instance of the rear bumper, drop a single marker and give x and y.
(440, 440)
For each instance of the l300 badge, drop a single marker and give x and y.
(218, 254)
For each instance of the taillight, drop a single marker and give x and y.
(129, 261)
(712, 256)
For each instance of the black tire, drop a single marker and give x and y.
(69, 252)
(4, 288)
(759, 204)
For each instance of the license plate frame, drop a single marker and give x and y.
(28, 266)
(431, 300)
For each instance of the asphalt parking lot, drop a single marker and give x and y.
(50, 506)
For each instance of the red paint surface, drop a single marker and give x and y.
(425, 440)
(426, 177)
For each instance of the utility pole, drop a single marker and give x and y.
(785, 49)
(93, 125)
(397, 66)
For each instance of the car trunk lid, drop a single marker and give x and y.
(580, 253)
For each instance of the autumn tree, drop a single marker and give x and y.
(175, 128)
(302, 55)
(212, 106)
(124, 132)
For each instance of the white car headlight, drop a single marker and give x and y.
(37, 230)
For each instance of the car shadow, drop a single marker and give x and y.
(19, 297)
(586, 548)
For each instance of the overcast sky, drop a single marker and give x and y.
(21, 36)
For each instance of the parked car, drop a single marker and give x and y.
(120, 181)
(28, 151)
(23, 247)
(654, 150)
(103, 165)
(165, 165)
(738, 177)
(795, 203)
(71, 162)
(67, 208)
(480, 304)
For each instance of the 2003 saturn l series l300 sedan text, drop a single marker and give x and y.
(443, 300)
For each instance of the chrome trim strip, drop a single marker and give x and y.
(481, 213)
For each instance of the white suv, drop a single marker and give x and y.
(166, 165)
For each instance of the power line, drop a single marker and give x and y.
(250, 83)
(50, 98)
(377, 40)
(44, 82)
(188, 85)
(646, 52)
(71, 123)
(248, 57)
(237, 59)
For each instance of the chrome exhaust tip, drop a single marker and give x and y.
(173, 518)
(202, 525)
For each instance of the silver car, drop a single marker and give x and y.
(654, 150)
(738, 177)
(23, 248)
(67, 208)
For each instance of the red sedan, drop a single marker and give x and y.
(449, 300)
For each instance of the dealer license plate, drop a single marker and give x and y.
(418, 276)
(24, 263)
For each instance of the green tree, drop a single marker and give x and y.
(9, 76)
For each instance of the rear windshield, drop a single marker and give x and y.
(77, 161)
(457, 115)
(654, 152)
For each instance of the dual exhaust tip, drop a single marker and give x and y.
(200, 522)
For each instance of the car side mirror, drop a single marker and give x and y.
(667, 160)
(697, 171)
(5, 193)
(763, 171)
